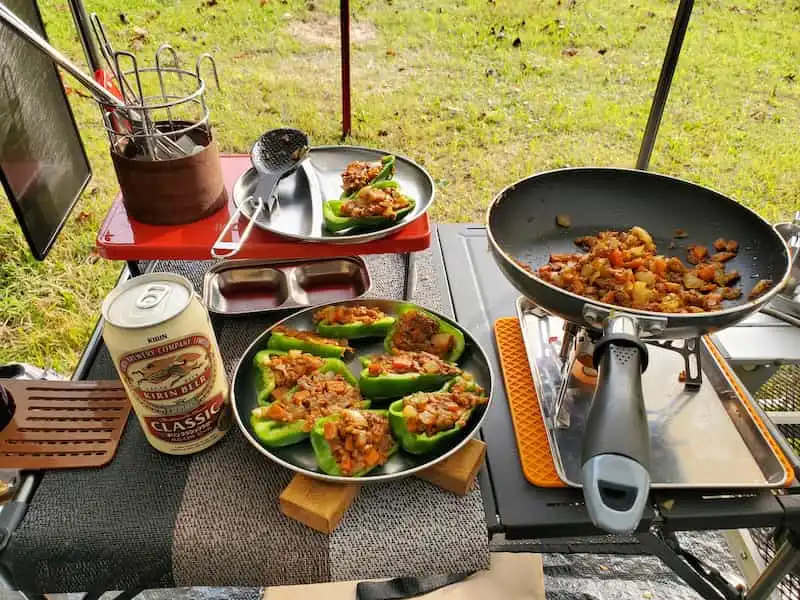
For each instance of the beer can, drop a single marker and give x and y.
(160, 338)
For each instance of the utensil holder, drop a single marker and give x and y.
(174, 191)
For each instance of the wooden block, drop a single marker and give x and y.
(318, 504)
(456, 473)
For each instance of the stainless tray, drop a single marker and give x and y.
(298, 207)
(698, 439)
(300, 457)
(245, 287)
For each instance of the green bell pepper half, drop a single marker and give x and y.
(385, 174)
(281, 341)
(281, 433)
(352, 331)
(265, 382)
(444, 327)
(422, 443)
(396, 385)
(323, 453)
(334, 222)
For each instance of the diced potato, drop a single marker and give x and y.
(641, 293)
(646, 276)
(642, 234)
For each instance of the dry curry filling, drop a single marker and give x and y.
(418, 332)
(359, 440)
(410, 362)
(358, 174)
(374, 202)
(309, 336)
(315, 396)
(432, 412)
(344, 315)
(623, 268)
(288, 368)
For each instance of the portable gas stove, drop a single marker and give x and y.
(702, 431)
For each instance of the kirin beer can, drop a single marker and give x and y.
(164, 349)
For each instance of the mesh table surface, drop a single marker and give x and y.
(212, 519)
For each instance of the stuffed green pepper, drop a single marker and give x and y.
(426, 421)
(376, 205)
(290, 419)
(278, 371)
(359, 174)
(351, 443)
(286, 338)
(416, 330)
(352, 322)
(403, 373)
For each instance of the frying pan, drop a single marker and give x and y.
(521, 224)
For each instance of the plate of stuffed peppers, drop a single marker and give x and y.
(342, 195)
(363, 389)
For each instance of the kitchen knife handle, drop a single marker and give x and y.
(616, 442)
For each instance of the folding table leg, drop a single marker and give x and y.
(786, 558)
(410, 288)
(133, 268)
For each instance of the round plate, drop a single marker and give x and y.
(298, 210)
(300, 457)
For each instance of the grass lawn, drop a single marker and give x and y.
(482, 92)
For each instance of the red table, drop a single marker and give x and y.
(122, 238)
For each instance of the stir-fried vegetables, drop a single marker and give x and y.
(623, 268)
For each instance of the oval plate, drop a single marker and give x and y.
(298, 209)
(300, 457)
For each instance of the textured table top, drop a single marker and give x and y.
(212, 518)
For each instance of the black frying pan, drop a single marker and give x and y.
(522, 225)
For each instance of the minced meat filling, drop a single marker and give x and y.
(344, 315)
(358, 174)
(359, 440)
(430, 413)
(288, 368)
(417, 332)
(410, 362)
(315, 396)
(374, 202)
(308, 336)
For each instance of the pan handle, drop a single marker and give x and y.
(616, 442)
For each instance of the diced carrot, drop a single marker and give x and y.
(372, 457)
(706, 272)
(615, 258)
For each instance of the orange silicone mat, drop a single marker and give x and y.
(534, 449)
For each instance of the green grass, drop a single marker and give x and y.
(437, 82)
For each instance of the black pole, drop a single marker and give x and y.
(344, 27)
(664, 82)
(85, 34)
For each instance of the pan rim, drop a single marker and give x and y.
(746, 308)
(475, 426)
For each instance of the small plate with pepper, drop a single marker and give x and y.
(342, 195)
(363, 389)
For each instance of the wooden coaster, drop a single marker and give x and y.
(62, 424)
(321, 505)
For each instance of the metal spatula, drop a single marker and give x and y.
(275, 155)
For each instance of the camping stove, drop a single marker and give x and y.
(702, 430)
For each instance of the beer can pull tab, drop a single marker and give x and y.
(152, 295)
